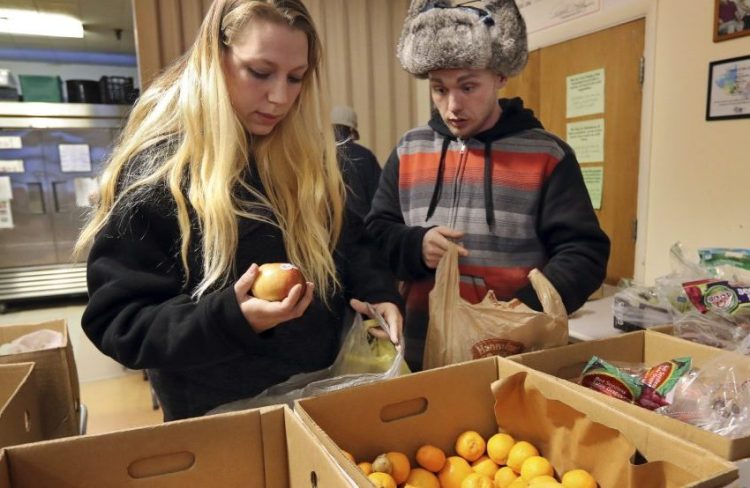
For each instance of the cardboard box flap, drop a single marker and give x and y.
(20, 421)
(573, 431)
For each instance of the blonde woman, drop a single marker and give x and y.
(225, 165)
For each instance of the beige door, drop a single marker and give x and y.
(619, 51)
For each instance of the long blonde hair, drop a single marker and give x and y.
(187, 138)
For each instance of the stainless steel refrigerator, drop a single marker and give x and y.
(50, 156)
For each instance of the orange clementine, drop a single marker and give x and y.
(520, 451)
(382, 480)
(535, 466)
(400, 466)
(430, 458)
(504, 477)
(578, 478)
(470, 445)
(498, 447)
(477, 480)
(486, 466)
(421, 478)
(453, 473)
(365, 467)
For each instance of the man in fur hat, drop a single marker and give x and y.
(483, 173)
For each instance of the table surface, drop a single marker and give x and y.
(595, 320)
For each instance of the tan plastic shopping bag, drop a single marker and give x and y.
(460, 331)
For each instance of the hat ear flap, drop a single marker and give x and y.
(509, 39)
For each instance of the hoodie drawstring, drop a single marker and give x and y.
(489, 203)
(439, 181)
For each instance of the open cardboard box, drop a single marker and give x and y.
(19, 405)
(436, 406)
(56, 378)
(647, 347)
(266, 447)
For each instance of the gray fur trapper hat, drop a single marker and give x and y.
(488, 34)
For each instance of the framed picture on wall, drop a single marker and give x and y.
(731, 19)
(728, 89)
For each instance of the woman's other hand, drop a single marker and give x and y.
(262, 315)
(391, 315)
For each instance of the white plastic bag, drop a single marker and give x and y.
(33, 341)
(361, 360)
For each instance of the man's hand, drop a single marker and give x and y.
(262, 315)
(435, 243)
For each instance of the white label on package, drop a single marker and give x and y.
(11, 166)
(75, 158)
(6, 216)
(86, 188)
(10, 142)
(6, 191)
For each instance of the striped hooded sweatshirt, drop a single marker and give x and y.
(517, 193)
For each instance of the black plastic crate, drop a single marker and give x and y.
(116, 89)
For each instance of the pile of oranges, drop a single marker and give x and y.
(499, 462)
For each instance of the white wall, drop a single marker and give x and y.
(700, 171)
(694, 175)
(67, 71)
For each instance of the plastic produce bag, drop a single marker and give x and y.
(33, 341)
(638, 307)
(362, 359)
(460, 331)
(716, 397)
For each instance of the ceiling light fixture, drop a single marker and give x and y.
(30, 23)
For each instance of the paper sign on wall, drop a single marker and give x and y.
(585, 93)
(10, 142)
(6, 190)
(11, 166)
(85, 188)
(6, 215)
(594, 179)
(74, 158)
(587, 140)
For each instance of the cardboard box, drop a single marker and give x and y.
(19, 405)
(258, 448)
(647, 347)
(436, 406)
(56, 378)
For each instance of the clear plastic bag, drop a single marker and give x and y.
(713, 328)
(716, 397)
(639, 307)
(33, 341)
(362, 359)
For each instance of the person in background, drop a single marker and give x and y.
(359, 165)
(483, 173)
(228, 162)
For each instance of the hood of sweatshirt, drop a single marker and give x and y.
(514, 118)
